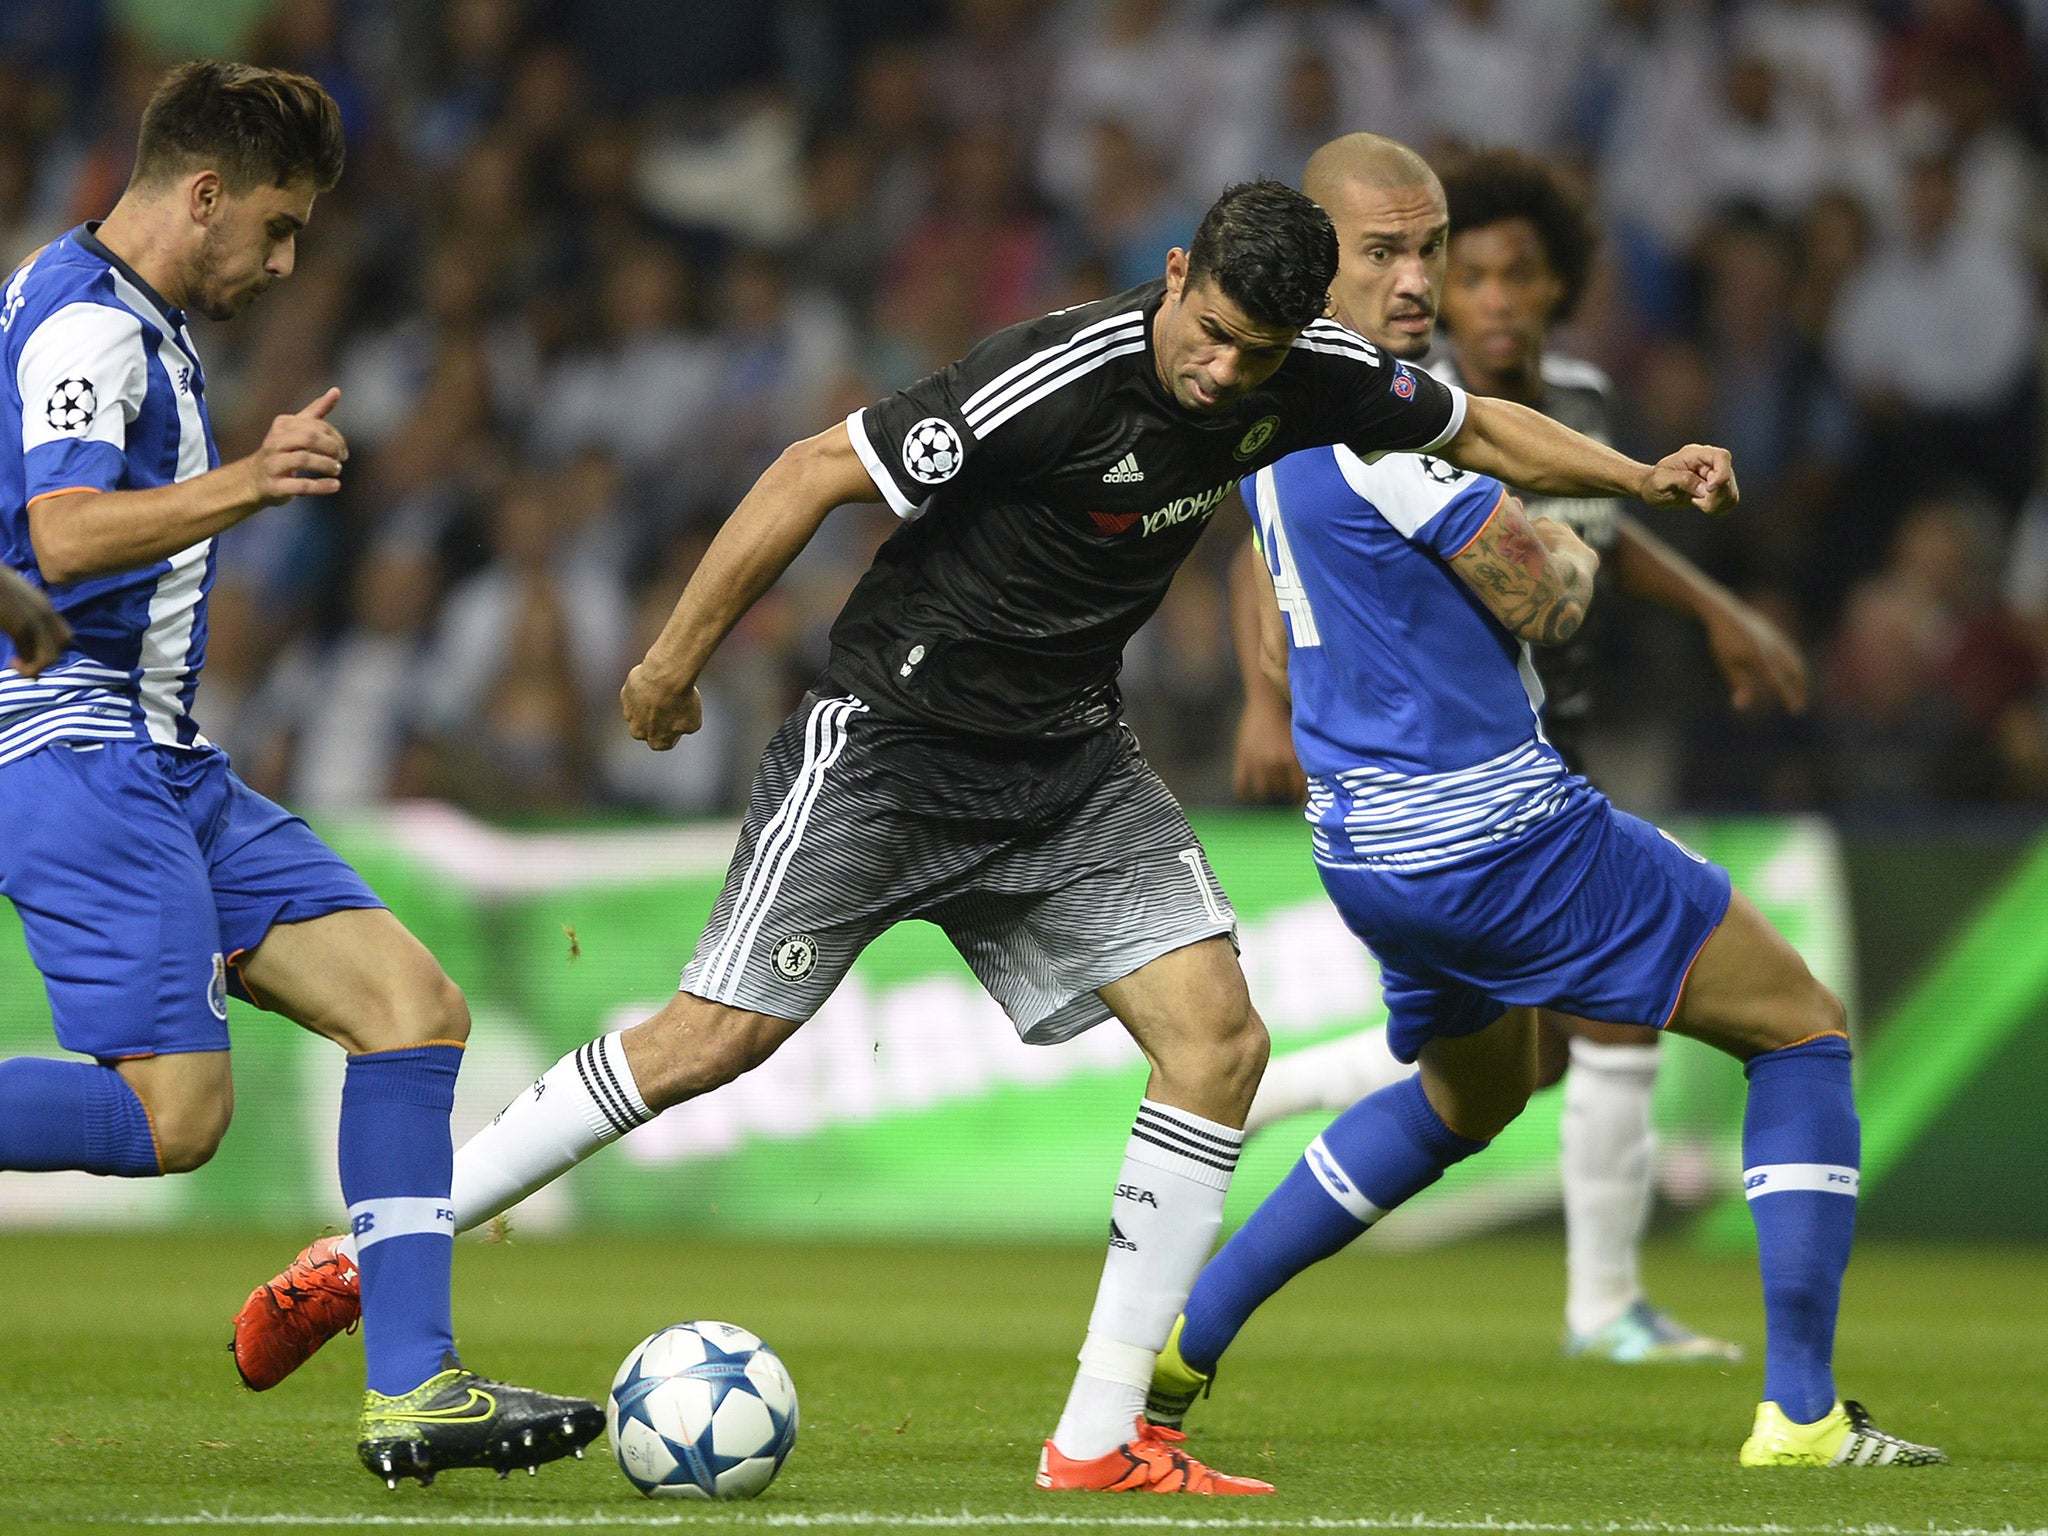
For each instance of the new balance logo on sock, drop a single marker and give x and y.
(1118, 1240)
(1125, 473)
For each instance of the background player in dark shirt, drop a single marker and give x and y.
(1516, 261)
(964, 759)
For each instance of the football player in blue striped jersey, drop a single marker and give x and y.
(1402, 596)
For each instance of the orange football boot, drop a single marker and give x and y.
(286, 1320)
(1149, 1462)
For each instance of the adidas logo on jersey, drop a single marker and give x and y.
(1126, 472)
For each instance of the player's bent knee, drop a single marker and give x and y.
(694, 1045)
(1818, 1013)
(443, 1010)
(188, 1136)
(424, 1007)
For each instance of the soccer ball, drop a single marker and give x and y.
(932, 451)
(702, 1411)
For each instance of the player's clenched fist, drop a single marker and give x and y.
(38, 631)
(659, 715)
(301, 455)
(1697, 475)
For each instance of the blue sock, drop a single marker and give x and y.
(72, 1114)
(397, 1164)
(1379, 1152)
(1802, 1149)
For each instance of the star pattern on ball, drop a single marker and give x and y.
(631, 1394)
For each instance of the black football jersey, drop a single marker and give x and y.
(1579, 395)
(1050, 485)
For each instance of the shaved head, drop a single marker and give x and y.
(1393, 226)
(1367, 159)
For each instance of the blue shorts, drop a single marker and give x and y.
(1592, 912)
(142, 875)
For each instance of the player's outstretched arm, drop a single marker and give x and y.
(1535, 577)
(771, 525)
(38, 631)
(1264, 769)
(1527, 449)
(86, 532)
(1757, 659)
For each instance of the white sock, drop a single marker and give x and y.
(1332, 1076)
(1163, 1223)
(1608, 1161)
(586, 1100)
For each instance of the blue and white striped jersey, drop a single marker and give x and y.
(1417, 715)
(103, 392)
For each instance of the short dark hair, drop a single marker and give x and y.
(254, 126)
(1270, 250)
(1494, 185)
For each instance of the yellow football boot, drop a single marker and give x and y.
(1845, 1438)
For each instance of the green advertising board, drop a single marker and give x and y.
(909, 1090)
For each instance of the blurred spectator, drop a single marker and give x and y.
(776, 355)
(1775, 407)
(355, 696)
(1645, 86)
(25, 225)
(638, 385)
(593, 265)
(995, 67)
(472, 61)
(740, 176)
(1298, 73)
(1764, 144)
(1936, 336)
(525, 651)
(1488, 73)
(983, 229)
(1826, 53)
(843, 245)
(1146, 65)
(1133, 215)
(1927, 666)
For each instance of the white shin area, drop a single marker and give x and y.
(1608, 1164)
(1164, 1221)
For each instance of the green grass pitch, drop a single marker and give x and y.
(1381, 1391)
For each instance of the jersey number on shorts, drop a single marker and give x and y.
(1192, 857)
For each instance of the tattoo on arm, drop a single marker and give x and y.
(1540, 596)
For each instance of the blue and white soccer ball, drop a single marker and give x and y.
(702, 1411)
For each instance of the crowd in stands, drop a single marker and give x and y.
(594, 262)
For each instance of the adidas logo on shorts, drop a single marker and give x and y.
(1125, 473)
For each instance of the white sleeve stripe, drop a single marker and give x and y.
(901, 505)
(1330, 330)
(1115, 342)
(981, 396)
(1335, 348)
(1058, 381)
(1460, 402)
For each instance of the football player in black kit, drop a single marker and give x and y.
(964, 760)
(1521, 246)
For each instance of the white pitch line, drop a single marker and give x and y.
(862, 1519)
